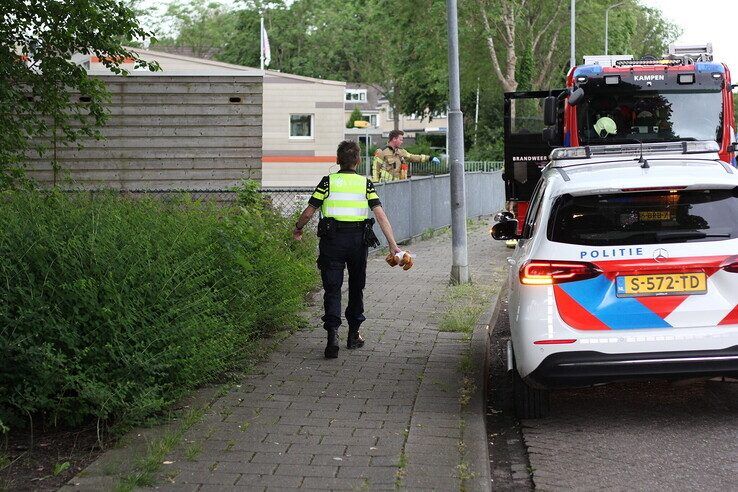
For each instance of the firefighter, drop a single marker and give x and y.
(395, 158)
(345, 230)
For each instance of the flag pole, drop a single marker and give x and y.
(261, 46)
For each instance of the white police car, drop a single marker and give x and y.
(627, 267)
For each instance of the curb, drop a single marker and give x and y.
(477, 448)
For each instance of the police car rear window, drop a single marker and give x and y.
(670, 216)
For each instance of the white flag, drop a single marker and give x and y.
(266, 52)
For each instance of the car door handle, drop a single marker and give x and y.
(511, 261)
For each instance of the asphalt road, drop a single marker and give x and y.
(654, 435)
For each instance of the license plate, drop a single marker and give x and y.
(661, 285)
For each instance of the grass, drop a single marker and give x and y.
(401, 469)
(193, 451)
(463, 470)
(468, 302)
(145, 468)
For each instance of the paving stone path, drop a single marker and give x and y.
(384, 417)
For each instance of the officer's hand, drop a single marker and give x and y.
(436, 161)
(395, 249)
(297, 234)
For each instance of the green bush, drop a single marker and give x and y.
(112, 308)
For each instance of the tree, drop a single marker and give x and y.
(198, 24)
(37, 42)
(354, 116)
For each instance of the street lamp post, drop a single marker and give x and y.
(607, 19)
(460, 263)
(573, 39)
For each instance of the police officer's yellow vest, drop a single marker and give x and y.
(346, 200)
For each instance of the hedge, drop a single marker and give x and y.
(113, 308)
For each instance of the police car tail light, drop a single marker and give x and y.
(730, 265)
(540, 272)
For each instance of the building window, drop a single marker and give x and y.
(372, 119)
(301, 126)
(356, 95)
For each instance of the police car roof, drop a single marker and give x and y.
(614, 174)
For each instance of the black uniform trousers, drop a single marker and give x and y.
(345, 248)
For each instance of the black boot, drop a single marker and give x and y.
(354, 340)
(331, 348)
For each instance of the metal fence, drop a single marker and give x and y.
(413, 206)
(428, 168)
(417, 205)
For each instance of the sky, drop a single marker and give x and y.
(705, 21)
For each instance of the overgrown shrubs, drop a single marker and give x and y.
(112, 308)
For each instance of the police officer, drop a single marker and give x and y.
(395, 158)
(345, 229)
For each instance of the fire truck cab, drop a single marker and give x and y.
(685, 96)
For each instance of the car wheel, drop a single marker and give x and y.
(530, 403)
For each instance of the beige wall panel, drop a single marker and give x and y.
(281, 100)
(184, 110)
(157, 164)
(167, 133)
(295, 174)
(157, 84)
(210, 121)
(190, 99)
(181, 131)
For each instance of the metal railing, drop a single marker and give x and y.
(413, 206)
(430, 169)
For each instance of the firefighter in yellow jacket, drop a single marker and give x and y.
(396, 158)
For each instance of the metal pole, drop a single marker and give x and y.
(476, 114)
(607, 22)
(573, 42)
(261, 45)
(366, 149)
(460, 264)
(607, 15)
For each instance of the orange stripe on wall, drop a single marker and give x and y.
(299, 158)
(119, 59)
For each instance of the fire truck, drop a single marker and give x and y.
(616, 99)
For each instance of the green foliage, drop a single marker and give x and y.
(421, 146)
(60, 468)
(202, 25)
(526, 67)
(489, 146)
(248, 194)
(355, 116)
(38, 41)
(113, 308)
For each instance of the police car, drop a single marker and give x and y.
(626, 268)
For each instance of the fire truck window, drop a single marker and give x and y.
(527, 116)
(652, 116)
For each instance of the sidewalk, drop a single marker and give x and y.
(383, 417)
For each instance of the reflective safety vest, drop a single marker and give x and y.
(346, 200)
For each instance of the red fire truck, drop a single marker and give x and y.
(618, 99)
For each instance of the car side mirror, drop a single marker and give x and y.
(549, 110)
(576, 96)
(503, 216)
(506, 226)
